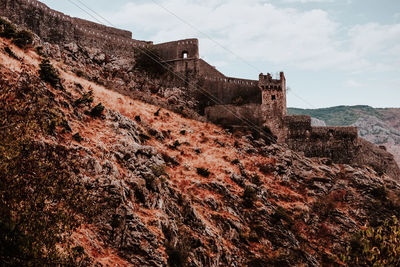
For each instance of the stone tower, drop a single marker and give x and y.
(273, 103)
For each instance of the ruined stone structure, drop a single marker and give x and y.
(233, 102)
(55, 27)
(338, 143)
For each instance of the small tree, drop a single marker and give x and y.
(23, 39)
(7, 30)
(49, 74)
(97, 111)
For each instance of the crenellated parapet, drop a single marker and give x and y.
(266, 82)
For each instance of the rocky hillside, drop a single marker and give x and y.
(380, 126)
(93, 177)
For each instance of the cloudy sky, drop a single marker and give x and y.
(333, 52)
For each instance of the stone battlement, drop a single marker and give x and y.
(342, 132)
(266, 82)
(232, 80)
(58, 28)
(300, 125)
(298, 119)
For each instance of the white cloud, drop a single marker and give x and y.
(353, 84)
(259, 31)
(308, 1)
(316, 1)
(378, 43)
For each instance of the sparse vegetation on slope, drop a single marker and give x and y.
(125, 189)
(39, 197)
(49, 74)
(22, 38)
(375, 246)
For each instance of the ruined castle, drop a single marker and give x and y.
(235, 102)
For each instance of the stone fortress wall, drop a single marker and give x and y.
(55, 27)
(236, 102)
(183, 57)
(338, 143)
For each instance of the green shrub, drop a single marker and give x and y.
(49, 74)
(255, 179)
(249, 196)
(85, 99)
(177, 254)
(11, 53)
(80, 73)
(235, 161)
(97, 111)
(7, 30)
(153, 132)
(77, 137)
(375, 246)
(39, 51)
(176, 144)
(203, 172)
(23, 39)
(144, 137)
(169, 160)
(267, 168)
(158, 170)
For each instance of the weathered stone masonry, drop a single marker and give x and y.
(55, 27)
(338, 143)
(235, 102)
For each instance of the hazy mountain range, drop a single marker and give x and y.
(378, 125)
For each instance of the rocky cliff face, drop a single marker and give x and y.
(137, 185)
(381, 133)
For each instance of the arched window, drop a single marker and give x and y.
(185, 54)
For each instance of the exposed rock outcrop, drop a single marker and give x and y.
(159, 189)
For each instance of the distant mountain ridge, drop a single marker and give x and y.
(378, 125)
